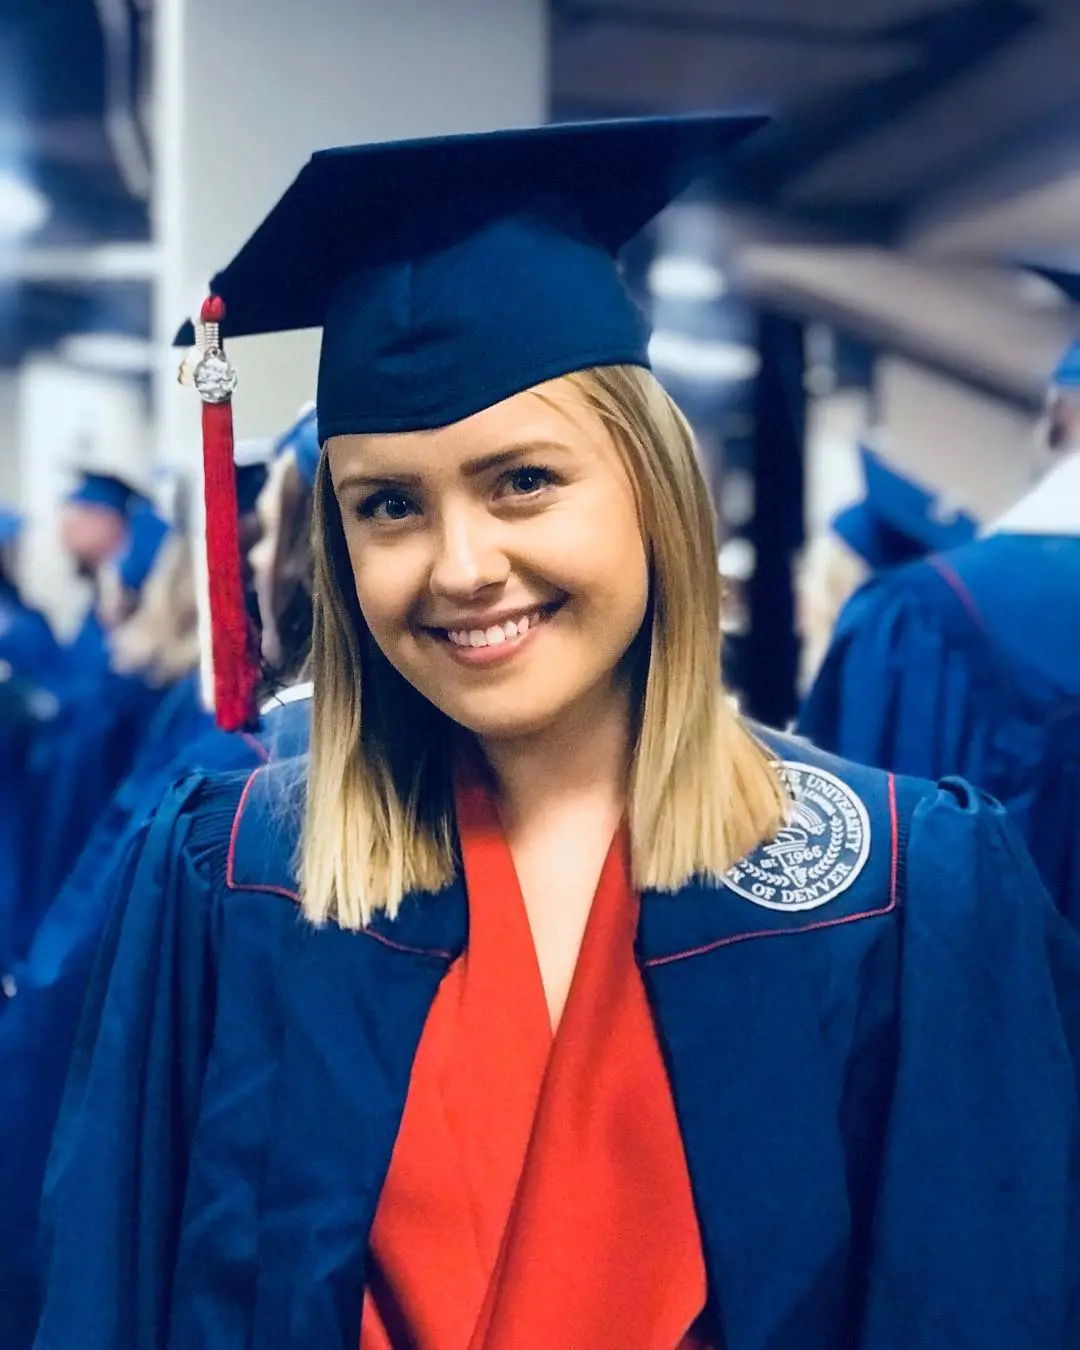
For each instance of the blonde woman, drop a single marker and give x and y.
(562, 1009)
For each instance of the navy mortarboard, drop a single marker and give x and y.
(446, 275)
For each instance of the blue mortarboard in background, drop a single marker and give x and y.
(897, 520)
(11, 523)
(103, 489)
(147, 531)
(252, 459)
(1067, 372)
(302, 438)
(448, 274)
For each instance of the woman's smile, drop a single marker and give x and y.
(480, 643)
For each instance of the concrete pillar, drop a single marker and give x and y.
(246, 90)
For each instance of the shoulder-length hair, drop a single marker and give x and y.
(702, 792)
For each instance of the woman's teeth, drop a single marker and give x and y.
(493, 637)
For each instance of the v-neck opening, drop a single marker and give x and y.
(486, 855)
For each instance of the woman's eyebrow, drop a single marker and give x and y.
(472, 468)
(368, 480)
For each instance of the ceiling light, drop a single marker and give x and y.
(675, 278)
(737, 560)
(23, 209)
(703, 358)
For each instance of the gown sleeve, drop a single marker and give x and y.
(898, 691)
(116, 1176)
(977, 1226)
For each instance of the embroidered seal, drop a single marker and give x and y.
(817, 854)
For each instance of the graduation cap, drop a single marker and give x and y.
(11, 523)
(146, 533)
(446, 274)
(302, 438)
(898, 521)
(103, 489)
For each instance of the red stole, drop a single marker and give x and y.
(538, 1191)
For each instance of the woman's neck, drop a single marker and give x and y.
(581, 764)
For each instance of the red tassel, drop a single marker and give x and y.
(236, 672)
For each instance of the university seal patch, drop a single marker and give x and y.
(819, 852)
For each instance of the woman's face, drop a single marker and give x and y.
(498, 562)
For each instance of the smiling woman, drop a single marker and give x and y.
(564, 587)
(473, 1029)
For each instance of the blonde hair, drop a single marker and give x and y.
(160, 640)
(702, 792)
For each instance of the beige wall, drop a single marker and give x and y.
(976, 450)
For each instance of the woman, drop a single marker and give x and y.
(510, 1056)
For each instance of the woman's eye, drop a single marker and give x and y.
(527, 480)
(387, 506)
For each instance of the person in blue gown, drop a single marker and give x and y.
(895, 521)
(868, 1010)
(28, 649)
(44, 989)
(93, 526)
(103, 715)
(968, 661)
(29, 659)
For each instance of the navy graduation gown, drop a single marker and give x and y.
(872, 1033)
(76, 763)
(39, 1015)
(969, 663)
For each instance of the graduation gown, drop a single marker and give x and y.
(39, 1013)
(88, 651)
(871, 1034)
(29, 660)
(969, 663)
(27, 644)
(75, 765)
